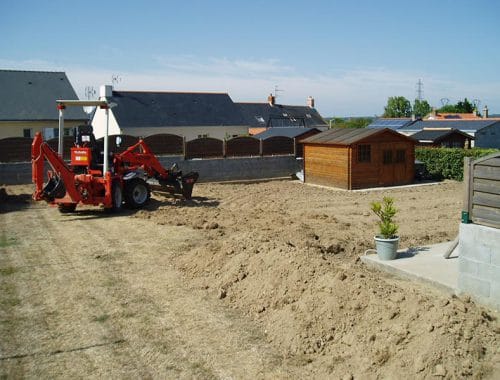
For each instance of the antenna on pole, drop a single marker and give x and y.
(420, 90)
(276, 90)
(115, 79)
(90, 92)
(444, 101)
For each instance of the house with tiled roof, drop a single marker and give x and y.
(28, 103)
(262, 116)
(188, 114)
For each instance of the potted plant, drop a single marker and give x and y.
(386, 241)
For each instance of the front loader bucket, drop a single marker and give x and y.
(188, 182)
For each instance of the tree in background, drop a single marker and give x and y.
(397, 106)
(421, 108)
(461, 107)
(350, 122)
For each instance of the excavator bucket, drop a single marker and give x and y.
(188, 182)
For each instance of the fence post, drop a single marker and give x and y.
(295, 147)
(261, 150)
(468, 183)
(184, 147)
(224, 147)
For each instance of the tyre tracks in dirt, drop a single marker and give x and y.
(97, 296)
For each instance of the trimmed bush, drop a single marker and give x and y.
(448, 162)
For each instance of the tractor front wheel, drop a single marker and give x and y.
(137, 193)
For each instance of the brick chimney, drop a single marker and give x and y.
(271, 99)
(485, 112)
(310, 102)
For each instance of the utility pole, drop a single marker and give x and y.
(420, 90)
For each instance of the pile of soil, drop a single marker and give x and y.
(287, 255)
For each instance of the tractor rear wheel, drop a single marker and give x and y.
(137, 193)
(66, 208)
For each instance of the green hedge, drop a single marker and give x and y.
(448, 162)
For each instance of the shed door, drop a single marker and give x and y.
(386, 164)
(393, 163)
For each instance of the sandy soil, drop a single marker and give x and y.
(257, 280)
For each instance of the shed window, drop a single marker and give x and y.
(364, 153)
(387, 155)
(400, 156)
(27, 132)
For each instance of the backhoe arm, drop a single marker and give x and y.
(40, 151)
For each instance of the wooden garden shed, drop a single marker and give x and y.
(359, 158)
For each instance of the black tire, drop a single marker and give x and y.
(116, 197)
(66, 208)
(137, 193)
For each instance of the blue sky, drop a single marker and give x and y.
(349, 55)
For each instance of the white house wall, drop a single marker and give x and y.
(99, 124)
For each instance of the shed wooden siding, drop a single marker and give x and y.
(485, 191)
(327, 165)
(376, 173)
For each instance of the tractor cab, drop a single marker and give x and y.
(86, 154)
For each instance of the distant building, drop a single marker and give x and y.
(486, 132)
(28, 103)
(261, 116)
(445, 138)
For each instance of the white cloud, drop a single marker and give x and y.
(361, 92)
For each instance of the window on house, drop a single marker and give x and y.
(387, 157)
(27, 132)
(364, 153)
(400, 156)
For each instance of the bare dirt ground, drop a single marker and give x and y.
(255, 280)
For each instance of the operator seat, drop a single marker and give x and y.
(84, 137)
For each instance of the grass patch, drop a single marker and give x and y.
(101, 318)
(7, 271)
(7, 242)
(8, 296)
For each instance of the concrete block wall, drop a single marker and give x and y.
(210, 170)
(479, 263)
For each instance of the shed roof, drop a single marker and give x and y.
(460, 124)
(348, 136)
(287, 132)
(175, 109)
(32, 95)
(263, 114)
(437, 134)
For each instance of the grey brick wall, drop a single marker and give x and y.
(479, 263)
(210, 170)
